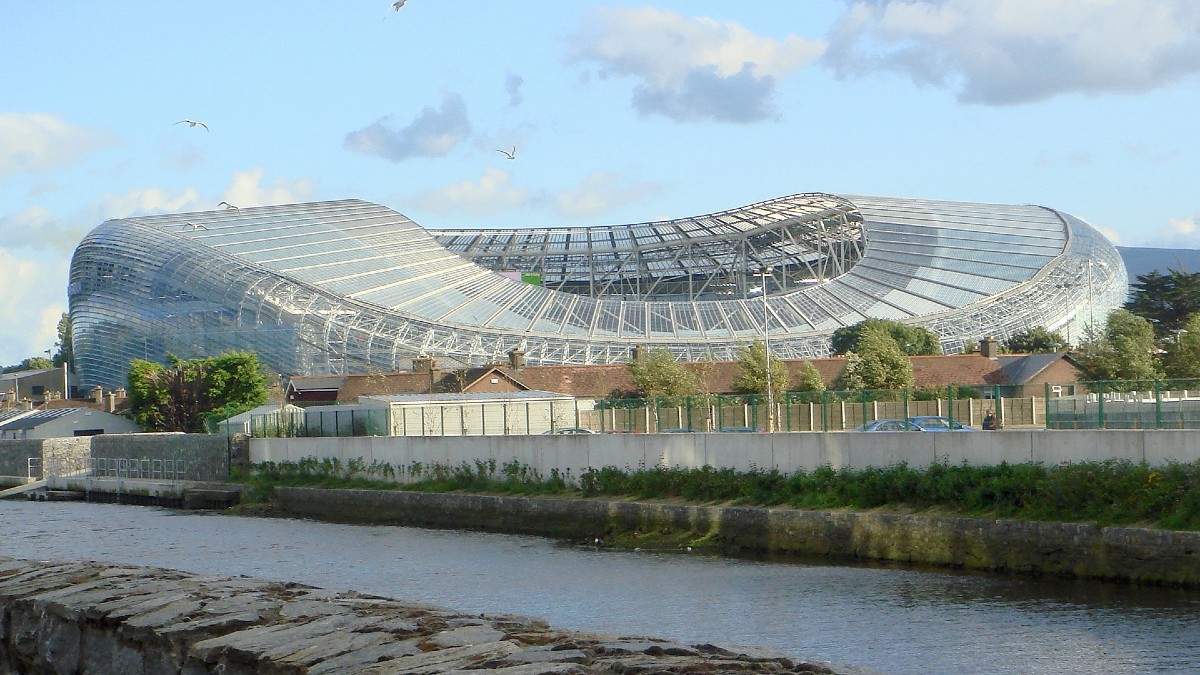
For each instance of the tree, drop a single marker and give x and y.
(1182, 359)
(182, 395)
(877, 364)
(31, 363)
(1035, 340)
(66, 344)
(810, 378)
(656, 374)
(753, 376)
(1165, 300)
(912, 340)
(1126, 349)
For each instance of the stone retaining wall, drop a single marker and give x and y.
(1125, 554)
(92, 619)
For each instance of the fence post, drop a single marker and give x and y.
(1157, 404)
(1100, 409)
(824, 410)
(905, 399)
(950, 403)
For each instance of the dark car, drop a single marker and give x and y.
(569, 431)
(888, 425)
(938, 423)
(678, 430)
(742, 430)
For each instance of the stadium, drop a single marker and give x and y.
(349, 286)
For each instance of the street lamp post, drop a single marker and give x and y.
(766, 274)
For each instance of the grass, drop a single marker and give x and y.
(1104, 493)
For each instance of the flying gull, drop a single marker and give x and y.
(227, 205)
(510, 155)
(192, 123)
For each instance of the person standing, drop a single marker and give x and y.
(989, 421)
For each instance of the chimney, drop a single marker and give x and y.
(427, 365)
(988, 347)
(120, 392)
(516, 359)
(97, 394)
(27, 403)
(111, 404)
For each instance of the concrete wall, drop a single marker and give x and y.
(787, 452)
(206, 457)
(15, 455)
(1066, 549)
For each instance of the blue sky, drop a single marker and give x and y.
(620, 113)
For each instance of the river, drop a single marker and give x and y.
(883, 619)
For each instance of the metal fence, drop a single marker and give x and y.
(1142, 404)
(1151, 404)
(108, 467)
(815, 411)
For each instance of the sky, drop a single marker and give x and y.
(619, 112)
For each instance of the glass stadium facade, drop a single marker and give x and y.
(349, 286)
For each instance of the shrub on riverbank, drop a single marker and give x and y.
(1105, 493)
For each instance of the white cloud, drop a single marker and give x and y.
(245, 190)
(1004, 52)
(600, 193)
(144, 201)
(432, 133)
(34, 299)
(34, 142)
(691, 68)
(36, 228)
(492, 193)
(512, 86)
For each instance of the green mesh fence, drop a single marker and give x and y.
(1140, 404)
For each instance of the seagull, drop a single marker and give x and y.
(398, 4)
(227, 206)
(192, 123)
(510, 155)
(190, 227)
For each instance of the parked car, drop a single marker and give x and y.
(742, 430)
(622, 431)
(936, 423)
(569, 430)
(678, 430)
(888, 425)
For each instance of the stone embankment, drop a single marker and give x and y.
(89, 619)
(1079, 550)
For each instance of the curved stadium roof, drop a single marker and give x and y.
(350, 286)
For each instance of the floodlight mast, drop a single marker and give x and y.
(767, 273)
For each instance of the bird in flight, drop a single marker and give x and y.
(510, 155)
(227, 206)
(398, 4)
(192, 123)
(191, 227)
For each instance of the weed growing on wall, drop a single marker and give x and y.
(1114, 492)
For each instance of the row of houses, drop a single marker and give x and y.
(1020, 375)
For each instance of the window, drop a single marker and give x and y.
(38, 390)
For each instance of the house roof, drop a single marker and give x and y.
(530, 395)
(38, 418)
(602, 381)
(1021, 368)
